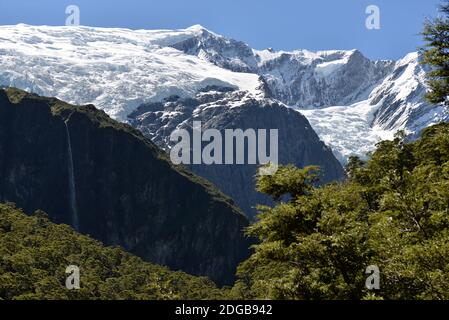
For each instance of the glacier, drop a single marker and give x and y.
(348, 129)
(396, 104)
(351, 101)
(114, 69)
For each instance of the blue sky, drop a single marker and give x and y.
(281, 24)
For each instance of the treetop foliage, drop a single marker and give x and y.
(34, 255)
(436, 55)
(392, 212)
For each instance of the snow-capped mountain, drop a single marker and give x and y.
(396, 103)
(351, 101)
(300, 78)
(115, 69)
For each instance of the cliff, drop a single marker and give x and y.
(108, 181)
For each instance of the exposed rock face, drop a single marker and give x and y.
(400, 98)
(127, 192)
(227, 53)
(224, 108)
(300, 78)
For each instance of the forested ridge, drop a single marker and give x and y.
(34, 255)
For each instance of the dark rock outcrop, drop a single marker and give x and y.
(124, 191)
(223, 109)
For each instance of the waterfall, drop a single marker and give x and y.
(72, 186)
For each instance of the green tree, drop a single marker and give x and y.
(393, 212)
(35, 252)
(353, 166)
(436, 54)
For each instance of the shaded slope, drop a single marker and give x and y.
(127, 193)
(222, 109)
(36, 252)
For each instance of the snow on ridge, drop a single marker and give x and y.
(327, 56)
(115, 69)
(397, 103)
(325, 69)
